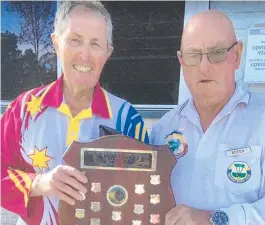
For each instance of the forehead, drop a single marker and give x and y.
(86, 22)
(205, 37)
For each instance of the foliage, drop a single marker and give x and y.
(36, 23)
(20, 72)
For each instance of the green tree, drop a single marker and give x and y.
(12, 74)
(36, 23)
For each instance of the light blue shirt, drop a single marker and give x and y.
(202, 178)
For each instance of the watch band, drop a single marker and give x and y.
(219, 218)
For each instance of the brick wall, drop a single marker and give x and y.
(143, 67)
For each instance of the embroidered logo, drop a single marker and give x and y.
(177, 143)
(239, 172)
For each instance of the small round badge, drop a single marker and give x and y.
(239, 172)
(117, 195)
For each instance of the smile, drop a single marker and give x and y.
(82, 69)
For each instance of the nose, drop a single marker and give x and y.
(205, 65)
(85, 53)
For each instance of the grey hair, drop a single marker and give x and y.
(66, 7)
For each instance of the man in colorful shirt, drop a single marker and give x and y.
(40, 124)
(221, 179)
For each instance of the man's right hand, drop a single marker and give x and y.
(64, 182)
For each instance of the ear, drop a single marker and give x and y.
(55, 42)
(179, 55)
(110, 50)
(239, 50)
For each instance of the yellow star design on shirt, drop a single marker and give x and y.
(40, 159)
(33, 105)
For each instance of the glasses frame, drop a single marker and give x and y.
(207, 53)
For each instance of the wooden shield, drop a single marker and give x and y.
(129, 182)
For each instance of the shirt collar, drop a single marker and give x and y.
(240, 96)
(53, 97)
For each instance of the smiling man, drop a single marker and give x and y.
(39, 125)
(221, 180)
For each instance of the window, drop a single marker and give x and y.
(143, 67)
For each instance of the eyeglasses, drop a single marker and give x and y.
(216, 56)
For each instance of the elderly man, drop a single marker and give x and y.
(221, 180)
(40, 124)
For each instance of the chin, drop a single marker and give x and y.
(206, 95)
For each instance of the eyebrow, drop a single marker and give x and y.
(75, 34)
(193, 49)
(217, 46)
(80, 36)
(95, 40)
(210, 48)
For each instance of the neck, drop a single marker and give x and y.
(208, 110)
(77, 100)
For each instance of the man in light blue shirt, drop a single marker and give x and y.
(221, 179)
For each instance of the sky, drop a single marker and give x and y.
(9, 22)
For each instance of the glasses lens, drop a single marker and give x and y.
(192, 59)
(217, 56)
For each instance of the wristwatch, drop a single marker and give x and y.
(219, 218)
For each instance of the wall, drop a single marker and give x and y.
(244, 15)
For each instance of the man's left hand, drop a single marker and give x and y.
(185, 215)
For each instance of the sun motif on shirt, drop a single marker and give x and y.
(33, 106)
(40, 159)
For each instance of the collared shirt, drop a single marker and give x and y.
(38, 127)
(224, 167)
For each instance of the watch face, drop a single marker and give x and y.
(219, 218)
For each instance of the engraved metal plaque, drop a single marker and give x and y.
(92, 158)
(129, 182)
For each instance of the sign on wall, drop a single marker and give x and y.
(255, 58)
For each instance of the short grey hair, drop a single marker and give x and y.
(66, 7)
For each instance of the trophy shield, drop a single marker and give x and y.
(129, 182)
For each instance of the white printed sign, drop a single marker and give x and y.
(255, 59)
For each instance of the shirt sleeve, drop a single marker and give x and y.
(17, 175)
(249, 213)
(154, 139)
(131, 123)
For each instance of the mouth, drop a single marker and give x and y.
(82, 69)
(206, 81)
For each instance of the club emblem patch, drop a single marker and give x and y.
(177, 143)
(239, 172)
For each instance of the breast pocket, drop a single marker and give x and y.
(236, 172)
